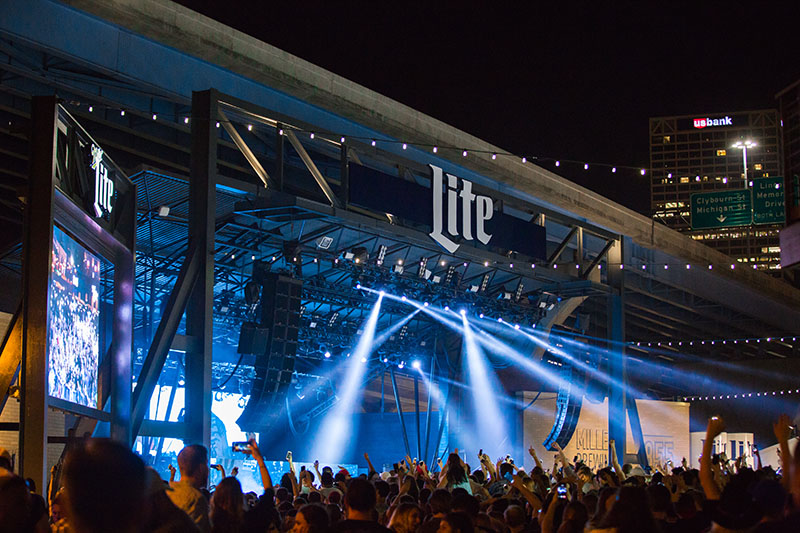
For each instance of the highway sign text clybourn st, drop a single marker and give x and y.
(721, 209)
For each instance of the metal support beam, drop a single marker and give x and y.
(345, 175)
(636, 429)
(442, 420)
(162, 340)
(279, 154)
(200, 306)
(318, 177)
(616, 354)
(399, 410)
(416, 413)
(36, 257)
(10, 356)
(561, 247)
(238, 141)
(596, 260)
(430, 405)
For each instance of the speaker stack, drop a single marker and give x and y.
(274, 365)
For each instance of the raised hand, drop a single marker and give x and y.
(289, 456)
(715, 426)
(252, 449)
(783, 428)
(532, 452)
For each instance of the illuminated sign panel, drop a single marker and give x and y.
(483, 211)
(449, 211)
(103, 185)
(700, 123)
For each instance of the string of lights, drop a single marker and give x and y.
(740, 396)
(382, 141)
(712, 342)
(356, 262)
(517, 265)
(465, 152)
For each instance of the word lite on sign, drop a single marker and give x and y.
(482, 207)
(103, 185)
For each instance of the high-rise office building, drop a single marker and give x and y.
(706, 153)
(789, 105)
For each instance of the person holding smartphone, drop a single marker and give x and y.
(454, 475)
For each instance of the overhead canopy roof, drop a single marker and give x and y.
(146, 57)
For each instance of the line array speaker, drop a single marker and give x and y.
(280, 315)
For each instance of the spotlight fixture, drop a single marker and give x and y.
(416, 365)
(360, 254)
(448, 277)
(518, 292)
(423, 267)
(485, 281)
(333, 319)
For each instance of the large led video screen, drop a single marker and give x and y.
(73, 322)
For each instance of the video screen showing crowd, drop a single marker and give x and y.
(73, 328)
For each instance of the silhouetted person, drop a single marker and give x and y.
(104, 483)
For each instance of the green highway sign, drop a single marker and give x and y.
(721, 209)
(768, 201)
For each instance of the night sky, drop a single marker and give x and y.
(566, 80)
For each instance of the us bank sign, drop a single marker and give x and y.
(700, 123)
(446, 210)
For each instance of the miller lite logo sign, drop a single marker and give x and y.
(701, 123)
(446, 210)
(103, 185)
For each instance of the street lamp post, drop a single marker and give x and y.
(743, 146)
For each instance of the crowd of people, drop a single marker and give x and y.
(106, 487)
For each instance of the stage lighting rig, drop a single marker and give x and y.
(518, 292)
(360, 255)
(448, 277)
(423, 268)
(333, 318)
(381, 254)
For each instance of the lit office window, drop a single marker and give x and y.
(722, 152)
